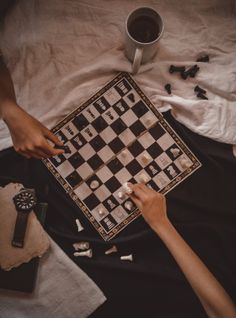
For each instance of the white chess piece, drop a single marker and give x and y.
(58, 160)
(111, 250)
(143, 178)
(129, 205)
(175, 151)
(81, 246)
(88, 253)
(146, 158)
(94, 184)
(172, 171)
(153, 170)
(185, 163)
(111, 204)
(126, 188)
(121, 195)
(127, 258)
(79, 225)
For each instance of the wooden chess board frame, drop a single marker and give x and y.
(109, 234)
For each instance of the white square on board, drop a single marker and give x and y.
(65, 169)
(165, 141)
(83, 191)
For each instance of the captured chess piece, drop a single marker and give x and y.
(111, 250)
(203, 58)
(79, 225)
(192, 71)
(81, 246)
(176, 69)
(168, 88)
(88, 253)
(127, 258)
(65, 148)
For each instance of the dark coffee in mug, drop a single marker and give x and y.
(144, 29)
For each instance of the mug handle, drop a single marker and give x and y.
(137, 59)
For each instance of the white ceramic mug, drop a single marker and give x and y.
(144, 28)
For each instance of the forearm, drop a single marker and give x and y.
(213, 297)
(7, 93)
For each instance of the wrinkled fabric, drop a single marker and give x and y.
(61, 52)
(62, 290)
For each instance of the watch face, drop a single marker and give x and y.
(25, 200)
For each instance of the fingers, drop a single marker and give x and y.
(50, 136)
(48, 150)
(39, 150)
(139, 190)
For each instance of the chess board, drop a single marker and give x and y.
(116, 137)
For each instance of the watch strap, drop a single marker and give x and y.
(20, 229)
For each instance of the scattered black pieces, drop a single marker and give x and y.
(65, 148)
(174, 68)
(202, 96)
(168, 88)
(198, 89)
(192, 71)
(204, 58)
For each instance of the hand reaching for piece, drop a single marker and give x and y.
(29, 136)
(151, 203)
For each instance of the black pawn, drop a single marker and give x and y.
(168, 88)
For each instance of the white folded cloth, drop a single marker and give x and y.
(62, 290)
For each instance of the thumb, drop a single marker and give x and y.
(53, 138)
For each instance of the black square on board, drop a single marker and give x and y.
(154, 150)
(115, 165)
(91, 201)
(125, 206)
(133, 167)
(99, 124)
(123, 87)
(121, 107)
(93, 178)
(78, 141)
(110, 203)
(80, 122)
(55, 162)
(76, 160)
(95, 162)
(97, 143)
(152, 169)
(101, 105)
(61, 136)
(116, 145)
(153, 185)
(157, 131)
(137, 128)
(112, 184)
(136, 148)
(108, 222)
(118, 126)
(140, 109)
(73, 179)
(171, 171)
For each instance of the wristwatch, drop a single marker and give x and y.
(24, 202)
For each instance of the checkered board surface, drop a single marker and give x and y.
(108, 136)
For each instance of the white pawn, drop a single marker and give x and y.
(94, 184)
(126, 188)
(79, 225)
(127, 258)
(143, 178)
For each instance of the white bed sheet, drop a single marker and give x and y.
(60, 52)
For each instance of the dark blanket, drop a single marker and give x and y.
(202, 208)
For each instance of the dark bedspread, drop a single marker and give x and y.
(202, 208)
